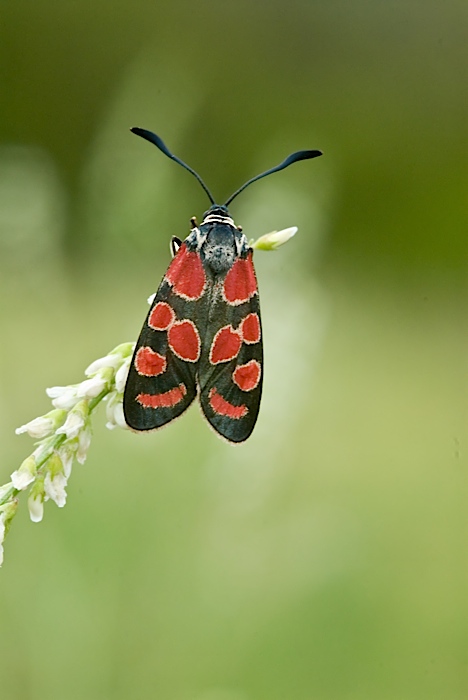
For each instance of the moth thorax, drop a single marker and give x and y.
(219, 257)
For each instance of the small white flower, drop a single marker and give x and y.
(91, 388)
(84, 441)
(111, 360)
(72, 426)
(272, 241)
(66, 454)
(36, 507)
(63, 396)
(25, 475)
(38, 428)
(55, 488)
(37, 496)
(114, 412)
(122, 374)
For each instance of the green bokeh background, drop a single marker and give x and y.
(325, 559)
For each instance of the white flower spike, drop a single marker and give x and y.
(64, 434)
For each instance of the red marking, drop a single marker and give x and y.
(184, 340)
(224, 408)
(240, 283)
(226, 345)
(186, 274)
(149, 363)
(161, 317)
(250, 329)
(165, 400)
(247, 376)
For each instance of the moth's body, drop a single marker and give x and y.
(202, 335)
(196, 339)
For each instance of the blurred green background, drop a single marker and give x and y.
(325, 559)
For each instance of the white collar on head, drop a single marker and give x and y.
(218, 219)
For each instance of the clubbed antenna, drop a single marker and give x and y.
(153, 138)
(293, 158)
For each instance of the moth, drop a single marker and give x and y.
(203, 333)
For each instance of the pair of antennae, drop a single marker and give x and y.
(293, 158)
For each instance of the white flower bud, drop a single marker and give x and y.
(38, 428)
(84, 441)
(122, 374)
(36, 500)
(25, 475)
(43, 426)
(114, 412)
(75, 421)
(111, 361)
(66, 454)
(55, 481)
(36, 507)
(119, 417)
(272, 241)
(72, 426)
(91, 388)
(55, 488)
(63, 396)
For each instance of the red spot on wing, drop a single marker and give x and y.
(224, 408)
(161, 317)
(250, 329)
(165, 400)
(186, 274)
(149, 363)
(240, 283)
(247, 376)
(225, 346)
(184, 340)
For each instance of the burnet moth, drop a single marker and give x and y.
(203, 333)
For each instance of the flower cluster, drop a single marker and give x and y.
(63, 435)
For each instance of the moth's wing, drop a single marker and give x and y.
(161, 382)
(230, 373)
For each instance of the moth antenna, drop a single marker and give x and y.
(293, 158)
(159, 143)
